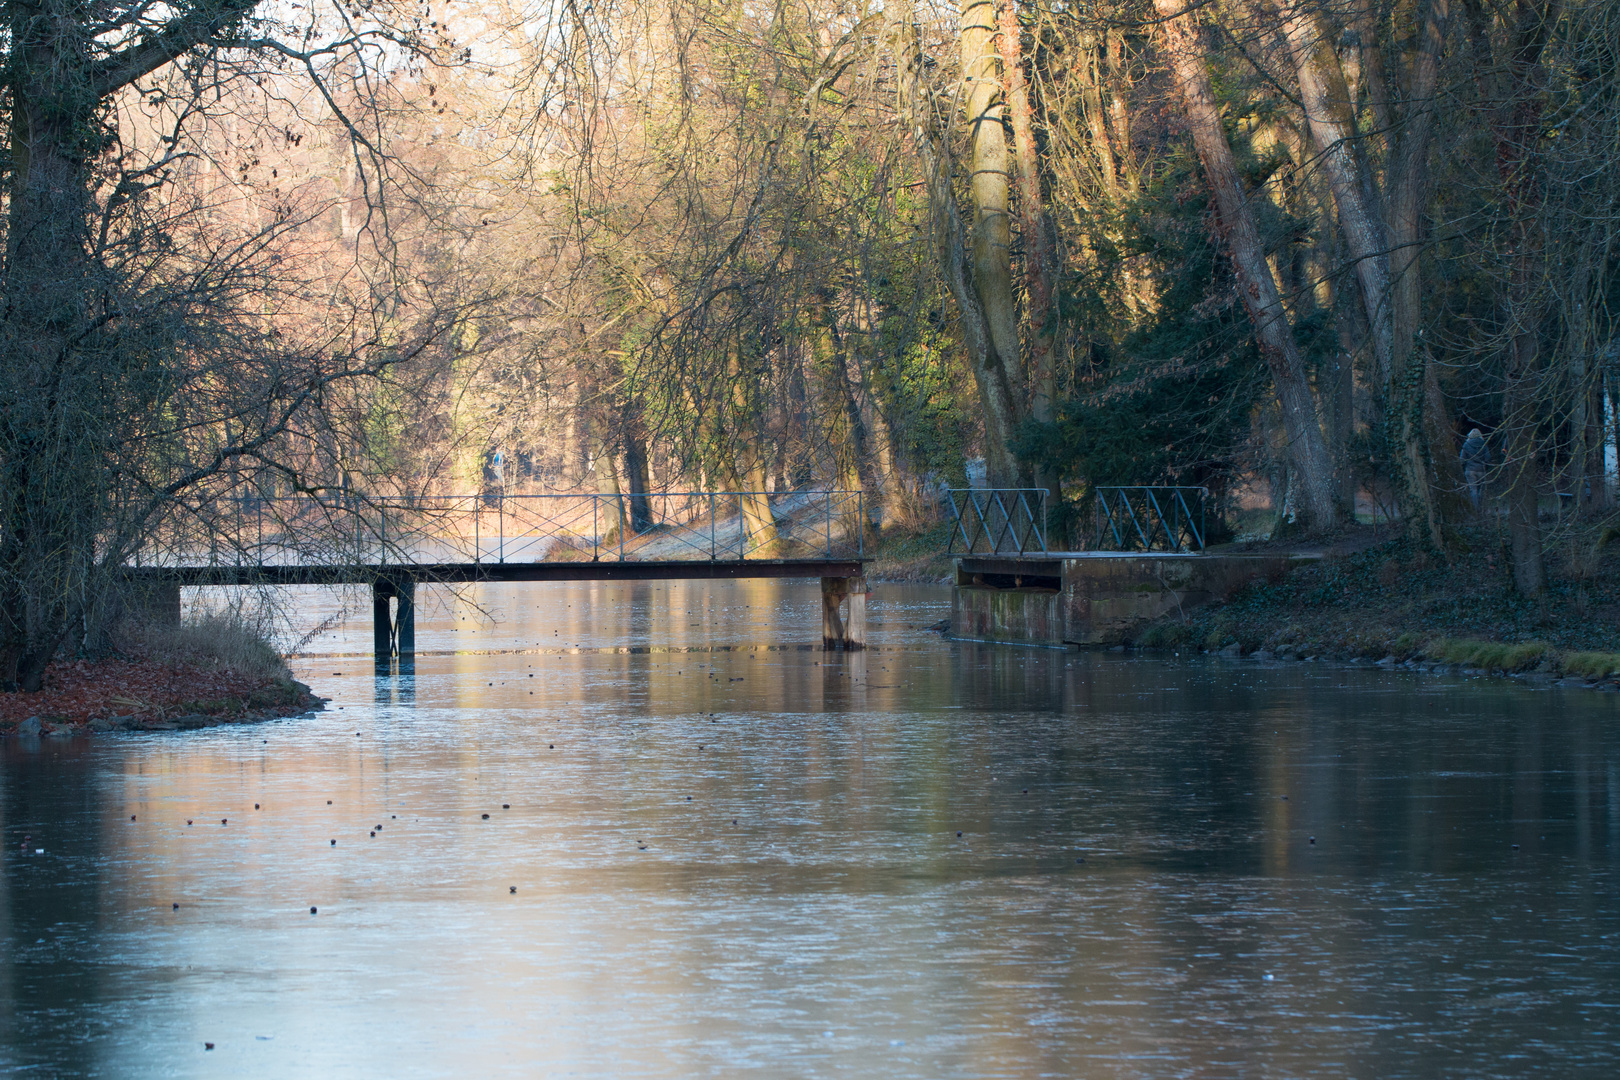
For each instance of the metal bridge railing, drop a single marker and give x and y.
(708, 526)
(998, 521)
(1150, 518)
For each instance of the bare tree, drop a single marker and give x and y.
(1306, 447)
(140, 377)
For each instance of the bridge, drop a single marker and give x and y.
(1146, 558)
(395, 543)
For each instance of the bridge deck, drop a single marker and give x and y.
(452, 573)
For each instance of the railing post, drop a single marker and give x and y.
(742, 527)
(860, 515)
(478, 540)
(500, 522)
(712, 524)
(622, 526)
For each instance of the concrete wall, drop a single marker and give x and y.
(1029, 616)
(1093, 598)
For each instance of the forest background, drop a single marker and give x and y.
(1290, 251)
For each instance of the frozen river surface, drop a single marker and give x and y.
(646, 831)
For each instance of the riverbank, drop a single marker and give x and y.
(200, 675)
(911, 556)
(1392, 602)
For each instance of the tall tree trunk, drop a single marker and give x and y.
(1088, 68)
(847, 434)
(1582, 369)
(800, 464)
(1370, 53)
(1594, 492)
(996, 381)
(48, 386)
(1306, 447)
(609, 518)
(759, 522)
(748, 463)
(1330, 116)
(1516, 127)
(1037, 230)
(1409, 192)
(1523, 463)
(636, 471)
(1336, 379)
(990, 170)
(1139, 285)
(572, 454)
(1328, 113)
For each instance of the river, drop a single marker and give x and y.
(736, 855)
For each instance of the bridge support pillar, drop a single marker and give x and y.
(393, 632)
(838, 632)
(382, 623)
(405, 618)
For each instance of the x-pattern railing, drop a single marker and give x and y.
(992, 521)
(1151, 518)
(492, 527)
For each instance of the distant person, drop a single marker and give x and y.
(494, 477)
(1475, 457)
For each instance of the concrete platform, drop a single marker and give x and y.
(1094, 598)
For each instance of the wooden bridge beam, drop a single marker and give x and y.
(459, 573)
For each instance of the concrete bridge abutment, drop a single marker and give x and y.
(1094, 599)
(838, 631)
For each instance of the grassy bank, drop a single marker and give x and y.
(211, 670)
(1397, 599)
(910, 555)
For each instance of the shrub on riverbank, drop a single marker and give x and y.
(1397, 598)
(217, 668)
(218, 642)
(1591, 665)
(1490, 655)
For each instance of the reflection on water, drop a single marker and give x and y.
(735, 855)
